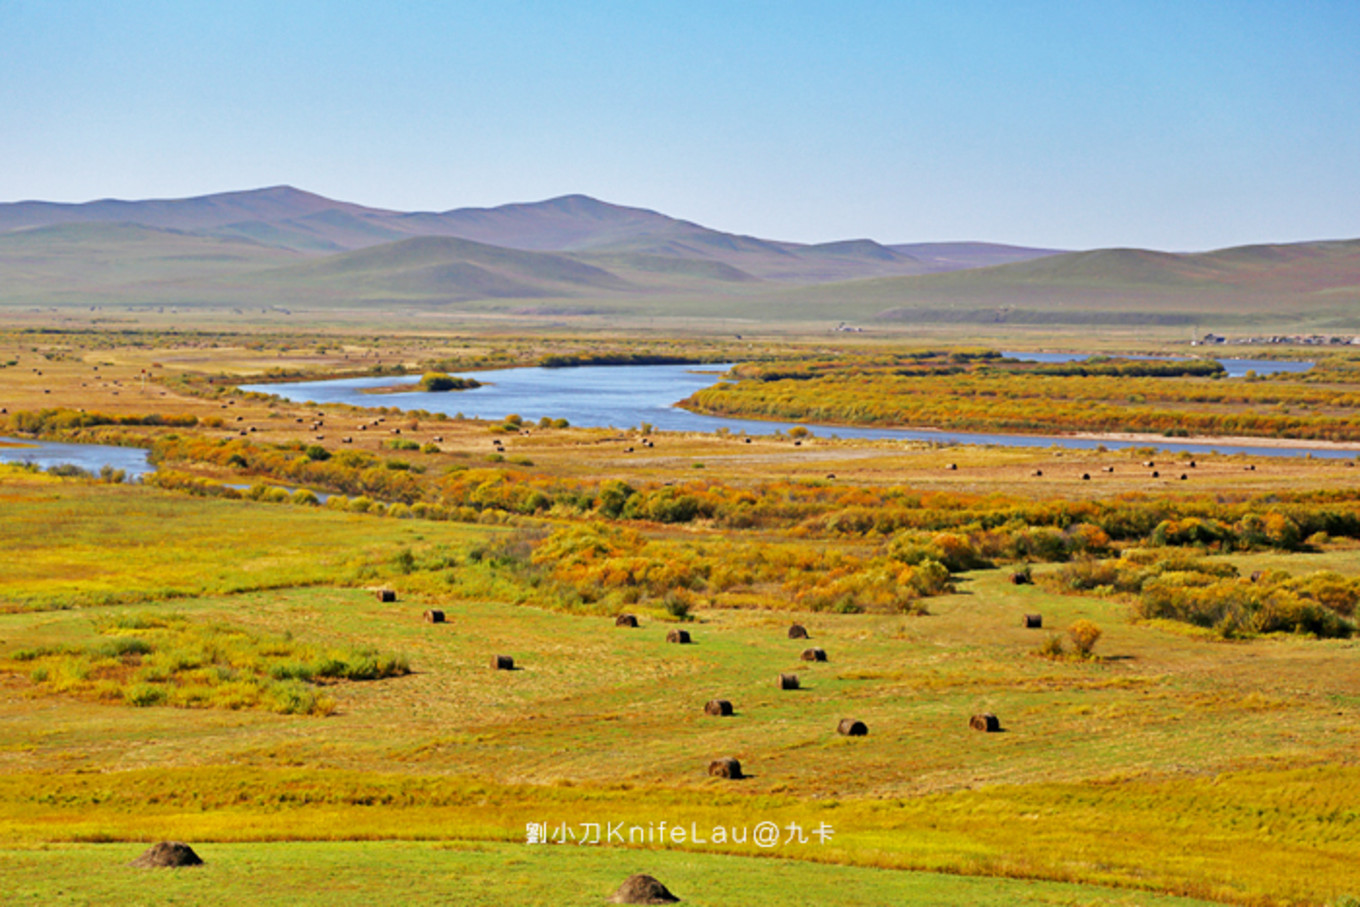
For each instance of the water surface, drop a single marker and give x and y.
(627, 396)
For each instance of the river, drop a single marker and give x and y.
(602, 396)
(626, 397)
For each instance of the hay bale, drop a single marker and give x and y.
(678, 636)
(748, 440)
(1252, 467)
(725, 768)
(434, 616)
(952, 467)
(1156, 474)
(1033, 622)
(849, 727)
(625, 620)
(1021, 578)
(386, 595)
(813, 654)
(798, 631)
(643, 889)
(719, 707)
(788, 681)
(831, 475)
(502, 662)
(1184, 477)
(986, 722)
(797, 443)
(167, 854)
(1149, 463)
(1192, 464)
(1086, 477)
(1107, 469)
(1037, 473)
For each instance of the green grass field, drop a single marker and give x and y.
(361, 873)
(1174, 763)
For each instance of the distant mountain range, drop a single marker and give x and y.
(292, 247)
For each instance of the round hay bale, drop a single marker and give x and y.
(1021, 578)
(1192, 464)
(167, 854)
(643, 889)
(1033, 622)
(831, 475)
(1184, 477)
(1086, 477)
(748, 440)
(1037, 473)
(725, 768)
(1149, 463)
(625, 620)
(502, 662)
(849, 727)
(1107, 469)
(814, 654)
(719, 707)
(952, 467)
(798, 631)
(434, 616)
(986, 722)
(1252, 467)
(386, 595)
(788, 681)
(1156, 474)
(678, 636)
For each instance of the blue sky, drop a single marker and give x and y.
(1185, 125)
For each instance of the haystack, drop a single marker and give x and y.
(167, 854)
(719, 707)
(798, 631)
(1033, 622)
(386, 595)
(434, 616)
(788, 681)
(1021, 578)
(725, 768)
(625, 620)
(985, 722)
(814, 655)
(643, 889)
(849, 727)
(680, 636)
(502, 662)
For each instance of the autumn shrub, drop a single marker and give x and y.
(1084, 635)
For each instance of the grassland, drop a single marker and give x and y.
(1174, 763)
(465, 873)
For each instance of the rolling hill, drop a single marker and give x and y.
(310, 224)
(1313, 282)
(284, 246)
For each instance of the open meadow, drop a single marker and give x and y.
(207, 655)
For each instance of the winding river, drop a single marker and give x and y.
(603, 396)
(628, 396)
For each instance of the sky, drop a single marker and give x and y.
(1180, 125)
